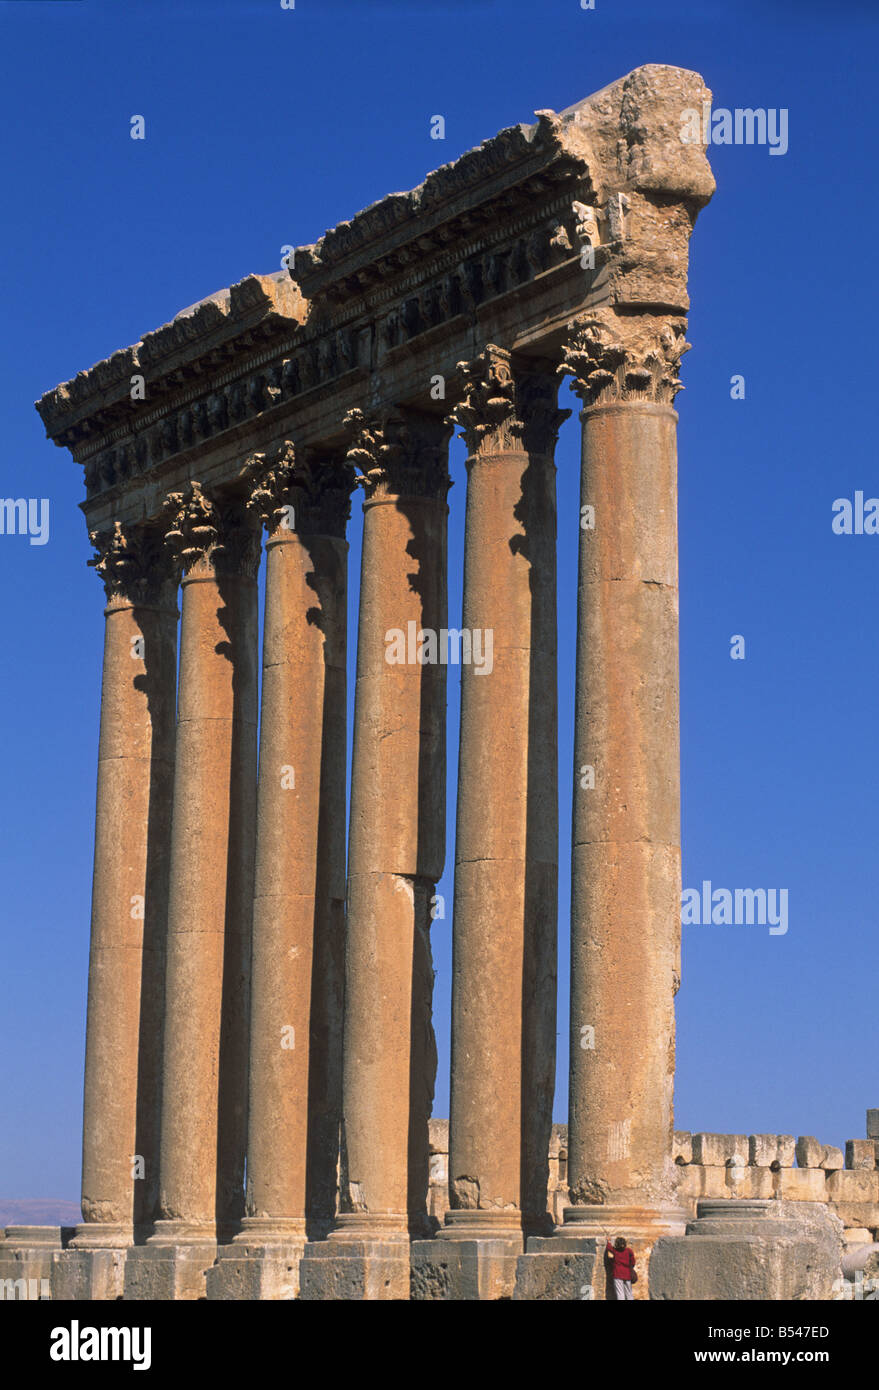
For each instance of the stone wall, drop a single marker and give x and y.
(790, 1169)
(744, 1166)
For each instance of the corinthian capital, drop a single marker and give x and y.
(615, 358)
(209, 533)
(133, 565)
(300, 490)
(505, 407)
(405, 454)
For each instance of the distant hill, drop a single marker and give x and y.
(39, 1211)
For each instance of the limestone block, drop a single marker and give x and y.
(558, 1268)
(26, 1255)
(857, 1214)
(853, 1185)
(269, 1273)
(682, 1151)
(715, 1150)
(759, 1183)
(749, 1250)
(766, 1150)
(691, 1181)
(833, 1159)
(468, 1270)
(873, 1124)
(809, 1152)
(802, 1185)
(860, 1153)
(354, 1271)
(88, 1275)
(167, 1273)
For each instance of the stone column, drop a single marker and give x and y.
(204, 1093)
(626, 863)
(506, 858)
(120, 1158)
(396, 852)
(299, 904)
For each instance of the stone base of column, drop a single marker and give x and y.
(26, 1259)
(88, 1276)
(261, 1263)
(558, 1268)
(172, 1265)
(473, 1258)
(363, 1258)
(738, 1249)
(641, 1226)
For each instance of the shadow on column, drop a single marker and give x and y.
(536, 514)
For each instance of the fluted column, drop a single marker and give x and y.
(299, 904)
(204, 1103)
(626, 874)
(130, 888)
(506, 858)
(396, 851)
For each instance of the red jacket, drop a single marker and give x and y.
(623, 1261)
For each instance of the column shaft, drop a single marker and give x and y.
(299, 903)
(130, 891)
(204, 1111)
(506, 861)
(397, 832)
(625, 913)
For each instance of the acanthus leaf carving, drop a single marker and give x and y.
(636, 358)
(403, 454)
(210, 533)
(317, 486)
(132, 564)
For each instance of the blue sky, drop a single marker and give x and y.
(265, 127)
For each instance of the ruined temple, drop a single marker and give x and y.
(259, 992)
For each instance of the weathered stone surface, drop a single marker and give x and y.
(873, 1124)
(266, 1272)
(750, 1250)
(802, 1185)
(167, 1272)
(26, 1259)
(860, 1153)
(350, 1270)
(88, 1275)
(558, 1269)
(719, 1149)
(809, 1152)
(832, 1158)
(682, 1147)
(771, 1150)
(470, 1270)
(853, 1185)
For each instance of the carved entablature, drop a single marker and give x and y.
(581, 214)
(210, 535)
(133, 565)
(505, 406)
(300, 490)
(403, 455)
(612, 358)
